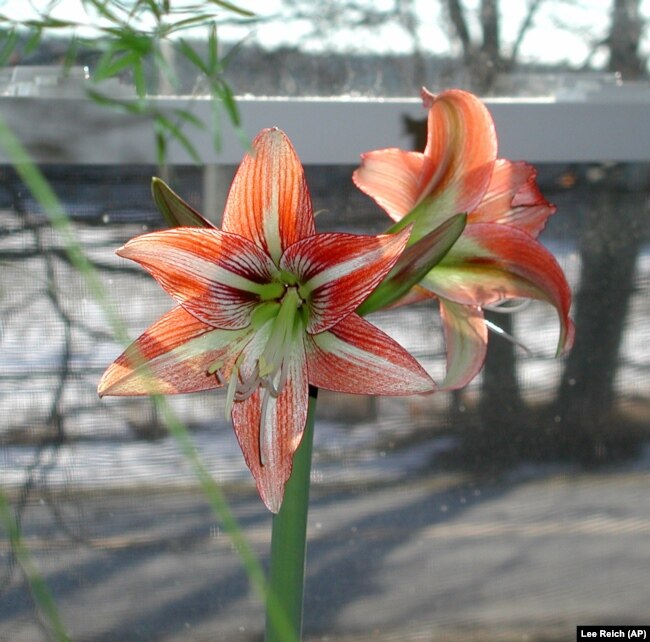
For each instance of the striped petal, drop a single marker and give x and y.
(513, 198)
(338, 271)
(173, 356)
(490, 263)
(214, 275)
(269, 429)
(356, 357)
(466, 339)
(451, 176)
(462, 145)
(393, 178)
(269, 201)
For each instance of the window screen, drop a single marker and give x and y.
(514, 509)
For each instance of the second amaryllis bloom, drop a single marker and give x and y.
(497, 256)
(265, 308)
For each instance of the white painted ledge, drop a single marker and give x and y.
(334, 131)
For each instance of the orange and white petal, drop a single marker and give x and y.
(357, 357)
(269, 201)
(513, 198)
(172, 356)
(269, 429)
(490, 263)
(337, 271)
(393, 178)
(466, 338)
(214, 275)
(417, 294)
(462, 145)
(450, 177)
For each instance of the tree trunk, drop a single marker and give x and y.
(615, 227)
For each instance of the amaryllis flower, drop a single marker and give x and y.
(265, 309)
(497, 256)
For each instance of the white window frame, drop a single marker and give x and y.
(601, 128)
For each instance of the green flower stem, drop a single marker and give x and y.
(37, 585)
(289, 540)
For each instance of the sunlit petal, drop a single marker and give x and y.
(393, 178)
(466, 338)
(338, 271)
(172, 356)
(490, 263)
(214, 275)
(269, 201)
(449, 178)
(462, 144)
(269, 429)
(356, 357)
(513, 198)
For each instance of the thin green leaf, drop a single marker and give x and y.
(102, 9)
(110, 65)
(136, 41)
(8, 47)
(164, 125)
(175, 211)
(49, 23)
(161, 146)
(37, 585)
(153, 7)
(190, 53)
(414, 264)
(139, 79)
(194, 21)
(228, 98)
(232, 52)
(41, 190)
(213, 50)
(71, 53)
(165, 68)
(139, 107)
(231, 7)
(189, 117)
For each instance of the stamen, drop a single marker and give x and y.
(508, 337)
(215, 368)
(508, 306)
(232, 390)
(246, 388)
(271, 359)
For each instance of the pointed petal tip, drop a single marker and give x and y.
(567, 337)
(272, 500)
(428, 98)
(104, 386)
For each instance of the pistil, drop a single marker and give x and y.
(285, 314)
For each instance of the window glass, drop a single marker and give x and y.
(514, 509)
(392, 48)
(388, 48)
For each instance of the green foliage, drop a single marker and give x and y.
(42, 596)
(417, 260)
(175, 211)
(137, 40)
(51, 205)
